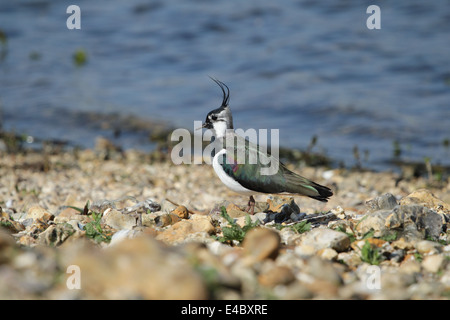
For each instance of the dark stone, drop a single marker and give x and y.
(396, 256)
(289, 211)
(384, 202)
(427, 221)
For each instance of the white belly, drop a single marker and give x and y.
(226, 179)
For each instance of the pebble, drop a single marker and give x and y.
(433, 263)
(165, 220)
(181, 211)
(375, 221)
(426, 198)
(242, 221)
(167, 206)
(260, 244)
(402, 243)
(322, 270)
(305, 250)
(27, 241)
(37, 212)
(339, 212)
(276, 275)
(260, 216)
(410, 267)
(386, 201)
(421, 217)
(202, 223)
(235, 212)
(428, 247)
(6, 246)
(321, 238)
(68, 214)
(55, 235)
(276, 204)
(282, 209)
(327, 254)
(134, 268)
(117, 220)
(352, 259)
(180, 231)
(123, 235)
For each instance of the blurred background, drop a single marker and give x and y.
(311, 69)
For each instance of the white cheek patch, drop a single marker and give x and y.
(220, 128)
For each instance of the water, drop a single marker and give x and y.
(308, 68)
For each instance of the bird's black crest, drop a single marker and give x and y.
(226, 95)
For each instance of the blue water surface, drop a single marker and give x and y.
(308, 68)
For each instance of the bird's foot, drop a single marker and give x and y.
(251, 206)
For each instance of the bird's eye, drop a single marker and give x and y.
(214, 117)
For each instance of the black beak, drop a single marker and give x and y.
(207, 125)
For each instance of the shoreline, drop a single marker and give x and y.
(159, 142)
(70, 208)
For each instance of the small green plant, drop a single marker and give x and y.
(370, 254)
(418, 257)
(94, 229)
(312, 143)
(368, 234)
(80, 57)
(83, 211)
(3, 37)
(357, 157)
(392, 236)
(301, 227)
(351, 235)
(6, 224)
(397, 152)
(3, 45)
(440, 241)
(34, 55)
(210, 276)
(235, 231)
(446, 142)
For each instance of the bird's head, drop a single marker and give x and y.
(220, 119)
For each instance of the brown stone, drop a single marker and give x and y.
(6, 246)
(201, 223)
(67, 214)
(179, 231)
(425, 198)
(181, 211)
(278, 275)
(433, 263)
(234, 211)
(11, 225)
(276, 204)
(376, 242)
(55, 235)
(261, 243)
(402, 243)
(165, 220)
(118, 220)
(321, 238)
(38, 213)
(27, 241)
(134, 268)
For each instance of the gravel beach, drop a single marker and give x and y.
(111, 224)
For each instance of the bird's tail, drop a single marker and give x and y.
(324, 192)
(300, 185)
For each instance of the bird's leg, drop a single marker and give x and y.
(251, 205)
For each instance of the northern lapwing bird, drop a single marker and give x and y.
(246, 177)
